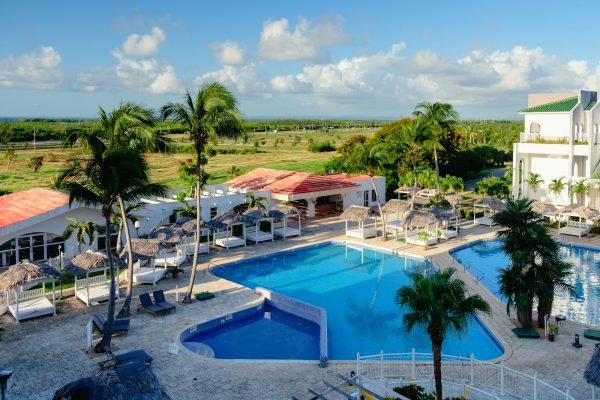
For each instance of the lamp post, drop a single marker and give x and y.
(136, 224)
(60, 268)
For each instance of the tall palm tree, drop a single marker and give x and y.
(440, 117)
(415, 135)
(211, 114)
(83, 229)
(9, 155)
(534, 181)
(118, 220)
(100, 181)
(557, 186)
(256, 201)
(579, 189)
(440, 304)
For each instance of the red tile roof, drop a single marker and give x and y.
(20, 206)
(289, 182)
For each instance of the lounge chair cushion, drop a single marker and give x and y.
(147, 304)
(593, 334)
(161, 301)
(526, 333)
(119, 325)
(204, 296)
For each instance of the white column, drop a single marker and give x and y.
(310, 210)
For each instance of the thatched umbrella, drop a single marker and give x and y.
(416, 218)
(453, 199)
(356, 214)
(144, 249)
(282, 210)
(442, 214)
(591, 374)
(566, 209)
(188, 225)
(492, 202)
(586, 213)
(167, 234)
(540, 207)
(25, 271)
(224, 220)
(130, 381)
(407, 189)
(90, 260)
(253, 215)
(395, 206)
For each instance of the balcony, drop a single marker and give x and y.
(580, 138)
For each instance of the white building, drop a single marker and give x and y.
(559, 140)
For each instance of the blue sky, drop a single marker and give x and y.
(351, 59)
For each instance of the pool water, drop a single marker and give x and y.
(358, 290)
(485, 258)
(269, 334)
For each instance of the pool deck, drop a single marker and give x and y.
(47, 352)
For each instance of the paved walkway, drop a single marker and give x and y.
(47, 353)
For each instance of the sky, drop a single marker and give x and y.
(322, 59)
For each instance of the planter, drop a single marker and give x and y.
(551, 337)
(175, 275)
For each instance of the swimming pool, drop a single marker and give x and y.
(484, 258)
(357, 288)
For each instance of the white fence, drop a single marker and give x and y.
(487, 380)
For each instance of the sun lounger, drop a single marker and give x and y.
(116, 360)
(120, 326)
(159, 300)
(148, 306)
(593, 334)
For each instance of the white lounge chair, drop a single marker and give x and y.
(174, 259)
(223, 239)
(29, 304)
(254, 234)
(395, 226)
(486, 219)
(148, 275)
(93, 289)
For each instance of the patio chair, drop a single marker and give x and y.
(161, 301)
(120, 326)
(116, 360)
(148, 306)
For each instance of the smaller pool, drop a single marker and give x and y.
(259, 333)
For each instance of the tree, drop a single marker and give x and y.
(439, 303)
(492, 186)
(451, 184)
(440, 117)
(10, 155)
(534, 181)
(415, 135)
(118, 220)
(234, 171)
(256, 201)
(579, 189)
(83, 229)
(427, 178)
(100, 182)
(185, 210)
(213, 113)
(36, 163)
(557, 186)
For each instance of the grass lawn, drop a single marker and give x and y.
(163, 167)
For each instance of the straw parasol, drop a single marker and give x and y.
(356, 214)
(188, 225)
(453, 199)
(130, 381)
(587, 213)
(282, 210)
(395, 206)
(167, 234)
(540, 207)
(442, 213)
(591, 374)
(144, 249)
(26, 271)
(407, 189)
(253, 215)
(566, 209)
(416, 218)
(224, 220)
(90, 260)
(492, 202)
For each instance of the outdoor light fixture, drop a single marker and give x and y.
(576, 343)
(136, 224)
(4, 377)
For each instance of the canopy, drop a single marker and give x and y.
(492, 202)
(26, 271)
(407, 189)
(356, 214)
(442, 213)
(540, 207)
(91, 260)
(395, 206)
(144, 248)
(580, 211)
(453, 199)
(188, 225)
(253, 215)
(225, 220)
(416, 218)
(167, 234)
(282, 210)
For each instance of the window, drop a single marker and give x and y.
(366, 198)
(36, 246)
(213, 212)
(102, 237)
(373, 195)
(534, 128)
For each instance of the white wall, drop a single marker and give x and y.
(357, 198)
(551, 124)
(549, 167)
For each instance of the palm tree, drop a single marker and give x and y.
(185, 210)
(415, 135)
(427, 178)
(579, 189)
(83, 228)
(557, 186)
(439, 304)
(534, 181)
(100, 181)
(255, 201)
(440, 117)
(118, 220)
(9, 155)
(233, 171)
(213, 113)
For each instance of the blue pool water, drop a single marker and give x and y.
(269, 334)
(486, 257)
(359, 296)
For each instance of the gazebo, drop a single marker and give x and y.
(360, 215)
(398, 207)
(172, 238)
(282, 214)
(17, 282)
(490, 205)
(254, 217)
(420, 228)
(96, 288)
(223, 225)
(188, 226)
(144, 251)
(578, 220)
(408, 191)
(446, 216)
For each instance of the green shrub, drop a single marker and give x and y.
(321, 147)
(413, 392)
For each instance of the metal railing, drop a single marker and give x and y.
(489, 379)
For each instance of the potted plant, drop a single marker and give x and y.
(174, 271)
(424, 237)
(552, 331)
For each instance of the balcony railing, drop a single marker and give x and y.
(579, 138)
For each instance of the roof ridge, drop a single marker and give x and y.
(551, 103)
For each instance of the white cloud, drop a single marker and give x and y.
(165, 82)
(245, 79)
(305, 42)
(144, 45)
(146, 74)
(229, 53)
(36, 70)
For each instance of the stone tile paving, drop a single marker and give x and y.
(47, 353)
